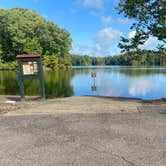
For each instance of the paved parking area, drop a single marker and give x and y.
(81, 139)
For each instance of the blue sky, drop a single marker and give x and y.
(95, 25)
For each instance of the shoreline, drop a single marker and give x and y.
(77, 104)
(11, 68)
(33, 98)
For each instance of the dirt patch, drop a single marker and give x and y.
(19, 106)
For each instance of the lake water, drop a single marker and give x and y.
(114, 81)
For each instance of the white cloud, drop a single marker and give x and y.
(96, 4)
(131, 34)
(107, 35)
(106, 19)
(151, 43)
(104, 39)
(104, 44)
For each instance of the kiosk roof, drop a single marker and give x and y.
(28, 56)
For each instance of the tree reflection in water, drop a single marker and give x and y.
(57, 84)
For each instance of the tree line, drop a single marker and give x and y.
(134, 58)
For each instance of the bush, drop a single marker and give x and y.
(8, 66)
(50, 61)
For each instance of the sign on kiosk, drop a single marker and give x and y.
(30, 67)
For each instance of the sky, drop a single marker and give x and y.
(95, 26)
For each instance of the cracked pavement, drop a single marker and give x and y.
(84, 137)
(122, 139)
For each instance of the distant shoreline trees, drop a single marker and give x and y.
(134, 58)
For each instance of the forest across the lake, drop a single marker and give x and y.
(134, 58)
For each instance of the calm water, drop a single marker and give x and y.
(145, 83)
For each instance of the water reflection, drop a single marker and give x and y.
(93, 87)
(146, 83)
(109, 87)
(137, 72)
(141, 86)
(8, 83)
(57, 84)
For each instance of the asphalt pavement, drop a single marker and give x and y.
(81, 139)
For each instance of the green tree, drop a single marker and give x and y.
(32, 46)
(51, 61)
(23, 32)
(132, 44)
(149, 16)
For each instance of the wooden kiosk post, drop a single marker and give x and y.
(30, 67)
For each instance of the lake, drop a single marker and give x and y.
(115, 81)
